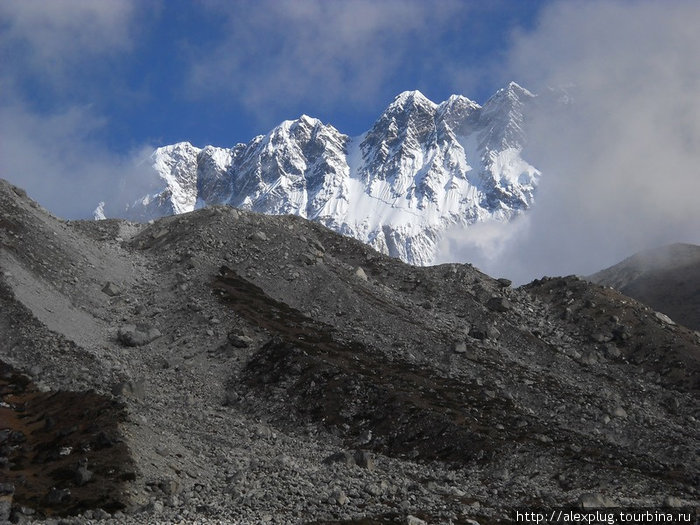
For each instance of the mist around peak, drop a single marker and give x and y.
(619, 151)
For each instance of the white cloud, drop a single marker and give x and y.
(55, 158)
(316, 51)
(483, 244)
(54, 39)
(50, 145)
(621, 165)
(59, 27)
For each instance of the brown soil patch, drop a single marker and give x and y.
(45, 435)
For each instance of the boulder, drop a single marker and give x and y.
(590, 500)
(484, 332)
(239, 340)
(338, 497)
(364, 459)
(111, 289)
(459, 347)
(82, 475)
(665, 319)
(498, 304)
(57, 496)
(133, 389)
(344, 458)
(258, 236)
(360, 273)
(137, 334)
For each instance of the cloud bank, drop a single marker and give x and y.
(621, 162)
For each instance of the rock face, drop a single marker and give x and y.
(286, 387)
(666, 278)
(421, 168)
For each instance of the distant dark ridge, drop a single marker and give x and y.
(666, 278)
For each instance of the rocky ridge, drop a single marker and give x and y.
(666, 278)
(421, 168)
(277, 372)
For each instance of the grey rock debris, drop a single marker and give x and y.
(282, 390)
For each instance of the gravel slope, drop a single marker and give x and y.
(265, 369)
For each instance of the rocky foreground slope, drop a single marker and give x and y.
(258, 368)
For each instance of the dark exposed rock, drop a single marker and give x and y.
(504, 283)
(46, 455)
(239, 340)
(344, 458)
(364, 459)
(487, 331)
(58, 496)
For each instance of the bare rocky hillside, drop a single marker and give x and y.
(222, 366)
(666, 278)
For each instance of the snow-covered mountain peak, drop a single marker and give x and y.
(410, 98)
(458, 113)
(458, 101)
(509, 98)
(421, 168)
(304, 121)
(514, 87)
(506, 113)
(310, 120)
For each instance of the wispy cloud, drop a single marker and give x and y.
(54, 62)
(55, 39)
(63, 27)
(55, 158)
(317, 51)
(621, 164)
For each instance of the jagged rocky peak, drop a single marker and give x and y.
(421, 168)
(302, 134)
(213, 172)
(411, 97)
(410, 111)
(513, 95)
(458, 113)
(506, 113)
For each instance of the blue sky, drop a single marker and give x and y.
(222, 72)
(89, 87)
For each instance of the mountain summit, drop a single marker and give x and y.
(421, 168)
